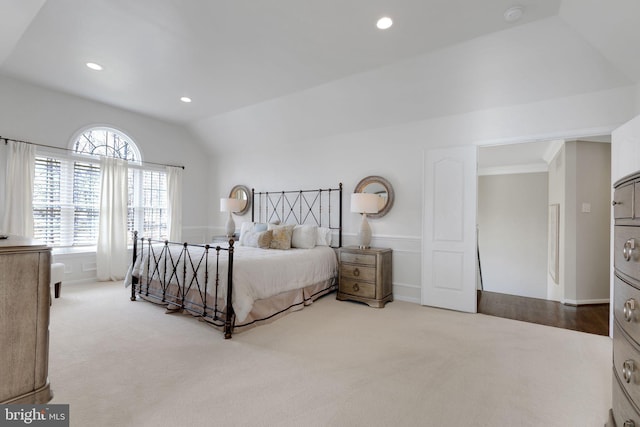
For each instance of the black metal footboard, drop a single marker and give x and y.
(179, 275)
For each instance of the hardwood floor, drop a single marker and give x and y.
(593, 319)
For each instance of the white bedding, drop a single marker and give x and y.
(257, 273)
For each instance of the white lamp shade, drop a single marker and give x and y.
(364, 202)
(231, 205)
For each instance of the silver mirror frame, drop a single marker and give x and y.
(373, 179)
(241, 192)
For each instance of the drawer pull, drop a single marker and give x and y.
(627, 370)
(628, 248)
(629, 423)
(614, 203)
(629, 307)
(356, 288)
(356, 272)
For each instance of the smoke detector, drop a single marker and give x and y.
(513, 13)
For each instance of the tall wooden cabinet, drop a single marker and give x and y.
(25, 267)
(626, 300)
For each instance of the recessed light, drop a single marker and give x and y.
(513, 13)
(94, 66)
(384, 23)
(185, 99)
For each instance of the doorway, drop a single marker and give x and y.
(517, 186)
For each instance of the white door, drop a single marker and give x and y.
(449, 229)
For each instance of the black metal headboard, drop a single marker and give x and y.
(300, 207)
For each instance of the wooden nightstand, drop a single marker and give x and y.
(365, 275)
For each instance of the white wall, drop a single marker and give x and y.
(31, 113)
(512, 86)
(512, 238)
(579, 180)
(593, 218)
(625, 149)
(395, 152)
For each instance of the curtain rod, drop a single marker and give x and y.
(6, 141)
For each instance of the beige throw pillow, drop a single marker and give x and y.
(281, 236)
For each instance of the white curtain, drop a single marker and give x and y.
(18, 201)
(111, 253)
(174, 201)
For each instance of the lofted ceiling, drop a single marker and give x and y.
(231, 55)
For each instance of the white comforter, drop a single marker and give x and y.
(257, 273)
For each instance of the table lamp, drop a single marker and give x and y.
(364, 203)
(230, 205)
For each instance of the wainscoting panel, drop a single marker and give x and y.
(79, 267)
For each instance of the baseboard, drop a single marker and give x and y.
(586, 301)
(407, 292)
(406, 299)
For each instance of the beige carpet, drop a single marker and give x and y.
(120, 363)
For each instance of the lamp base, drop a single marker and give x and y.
(364, 235)
(230, 226)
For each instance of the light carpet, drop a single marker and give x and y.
(123, 363)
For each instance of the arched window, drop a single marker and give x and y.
(66, 205)
(106, 142)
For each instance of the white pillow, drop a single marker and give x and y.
(258, 239)
(304, 236)
(323, 236)
(250, 227)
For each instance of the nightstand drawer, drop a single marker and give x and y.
(358, 272)
(357, 288)
(369, 259)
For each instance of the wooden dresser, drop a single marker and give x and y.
(366, 275)
(25, 267)
(626, 303)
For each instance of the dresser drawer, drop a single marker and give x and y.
(358, 258)
(358, 272)
(626, 250)
(626, 307)
(626, 363)
(357, 288)
(624, 413)
(623, 201)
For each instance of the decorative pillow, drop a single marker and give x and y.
(281, 236)
(247, 227)
(323, 237)
(304, 236)
(258, 239)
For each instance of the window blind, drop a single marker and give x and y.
(66, 201)
(47, 205)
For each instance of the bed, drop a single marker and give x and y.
(284, 259)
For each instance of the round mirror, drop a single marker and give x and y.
(241, 192)
(380, 186)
